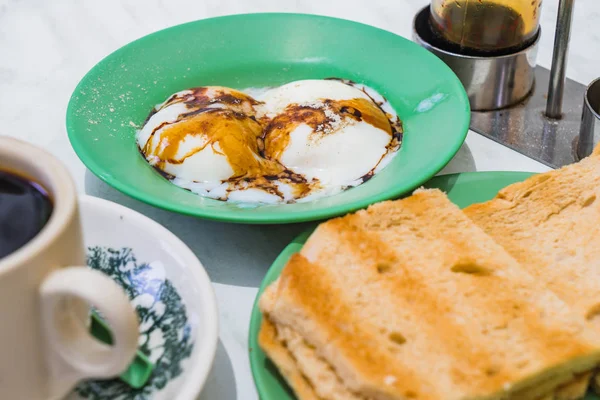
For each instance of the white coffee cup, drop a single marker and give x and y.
(45, 293)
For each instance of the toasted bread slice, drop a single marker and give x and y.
(279, 354)
(284, 348)
(576, 389)
(550, 223)
(279, 351)
(411, 300)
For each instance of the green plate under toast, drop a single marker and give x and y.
(255, 50)
(462, 189)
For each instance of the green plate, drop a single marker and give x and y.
(263, 50)
(463, 189)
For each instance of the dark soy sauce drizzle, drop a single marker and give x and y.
(25, 208)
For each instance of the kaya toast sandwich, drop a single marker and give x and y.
(550, 223)
(411, 300)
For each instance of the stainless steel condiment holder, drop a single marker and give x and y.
(525, 107)
(589, 134)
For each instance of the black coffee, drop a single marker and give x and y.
(24, 210)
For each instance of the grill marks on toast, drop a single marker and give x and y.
(461, 250)
(453, 296)
(420, 312)
(331, 387)
(554, 231)
(337, 325)
(376, 296)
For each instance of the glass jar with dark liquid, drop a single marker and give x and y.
(485, 26)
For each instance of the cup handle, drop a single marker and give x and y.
(72, 352)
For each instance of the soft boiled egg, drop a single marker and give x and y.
(296, 142)
(326, 130)
(206, 134)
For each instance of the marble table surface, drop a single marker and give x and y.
(47, 46)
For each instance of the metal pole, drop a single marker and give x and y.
(559, 59)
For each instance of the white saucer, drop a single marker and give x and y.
(173, 295)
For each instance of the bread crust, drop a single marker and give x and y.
(281, 357)
(278, 351)
(411, 300)
(551, 224)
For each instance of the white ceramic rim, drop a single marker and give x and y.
(204, 353)
(53, 176)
